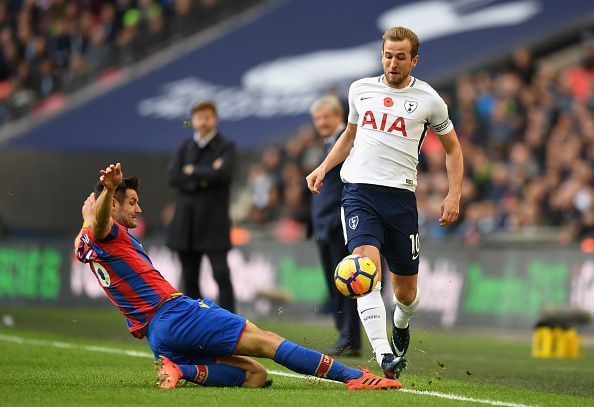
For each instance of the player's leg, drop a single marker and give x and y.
(172, 368)
(405, 288)
(203, 328)
(187, 335)
(364, 234)
(256, 374)
(260, 343)
(402, 254)
(406, 303)
(372, 310)
(231, 371)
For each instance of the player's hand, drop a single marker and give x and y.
(88, 208)
(315, 180)
(450, 210)
(111, 176)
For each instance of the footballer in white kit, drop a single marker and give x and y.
(391, 126)
(389, 117)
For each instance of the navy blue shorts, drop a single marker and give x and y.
(386, 218)
(191, 332)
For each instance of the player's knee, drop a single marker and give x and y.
(370, 251)
(257, 342)
(256, 377)
(366, 250)
(259, 376)
(272, 338)
(267, 344)
(406, 295)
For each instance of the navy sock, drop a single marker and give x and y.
(189, 372)
(307, 361)
(214, 375)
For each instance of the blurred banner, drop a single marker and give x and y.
(472, 287)
(265, 74)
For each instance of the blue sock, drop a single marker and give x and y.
(307, 361)
(214, 375)
(189, 372)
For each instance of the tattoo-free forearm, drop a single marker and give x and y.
(102, 223)
(454, 162)
(341, 149)
(455, 170)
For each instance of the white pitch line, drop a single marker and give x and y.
(67, 345)
(448, 396)
(456, 397)
(102, 349)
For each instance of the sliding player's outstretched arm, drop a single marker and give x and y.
(338, 154)
(110, 178)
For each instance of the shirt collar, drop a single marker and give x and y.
(203, 141)
(409, 85)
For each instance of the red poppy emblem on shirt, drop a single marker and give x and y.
(388, 102)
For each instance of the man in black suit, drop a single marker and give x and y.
(328, 118)
(201, 172)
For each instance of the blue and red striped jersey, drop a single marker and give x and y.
(126, 274)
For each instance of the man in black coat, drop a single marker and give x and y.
(328, 118)
(201, 173)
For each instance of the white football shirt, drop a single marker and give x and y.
(391, 125)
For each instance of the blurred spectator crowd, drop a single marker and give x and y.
(527, 129)
(51, 47)
(527, 132)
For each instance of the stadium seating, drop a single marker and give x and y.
(51, 48)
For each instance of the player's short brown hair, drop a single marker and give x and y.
(401, 34)
(120, 191)
(204, 105)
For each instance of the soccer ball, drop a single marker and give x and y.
(355, 276)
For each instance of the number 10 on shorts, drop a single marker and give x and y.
(415, 245)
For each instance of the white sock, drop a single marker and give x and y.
(372, 312)
(403, 313)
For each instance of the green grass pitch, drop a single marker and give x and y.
(59, 357)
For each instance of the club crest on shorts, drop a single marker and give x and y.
(410, 105)
(353, 222)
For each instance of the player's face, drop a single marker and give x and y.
(204, 121)
(398, 62)
(127, 211)
(326, 121)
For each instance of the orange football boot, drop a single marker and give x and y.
(372, 382)
(168, 373)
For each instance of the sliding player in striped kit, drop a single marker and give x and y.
(388, 119)
(195, 340)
